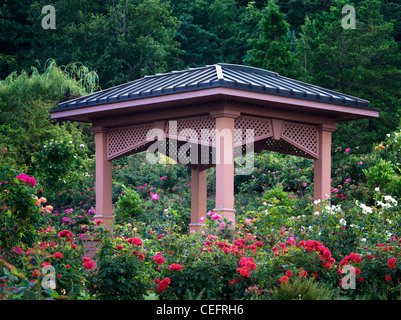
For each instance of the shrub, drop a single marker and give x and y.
(14, 285)
(20, 209)
(382, 175)
(290, 257)
(128, 206)
(78, 223)
(301, 288)
(284, 199)
(60, 260)
(377, 271)
(206, 266)
(121, 269)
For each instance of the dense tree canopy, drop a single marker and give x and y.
(122, 40)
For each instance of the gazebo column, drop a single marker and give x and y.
(198, 198)
(103, 177)
(322, 165)
(225, 163)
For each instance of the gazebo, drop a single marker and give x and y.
(211, 116)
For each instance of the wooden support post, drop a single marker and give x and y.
(322, 165)
(225, 163)
(198, 199)
(103, 178)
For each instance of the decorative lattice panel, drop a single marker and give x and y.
(122, 140)
(304, 137)
(284, 147)
(197, 125)
(261, 129)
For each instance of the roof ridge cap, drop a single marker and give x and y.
(249, 68)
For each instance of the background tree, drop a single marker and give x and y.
(199, 46)
(25, 102)
(271, 49)
(234, 49)
(121, 39)
(17, 37)
(363, 62)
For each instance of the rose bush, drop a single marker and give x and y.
(284, 243)
(121, 268)
(20, 209)
(206, 266)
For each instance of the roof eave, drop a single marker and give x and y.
(236, 92)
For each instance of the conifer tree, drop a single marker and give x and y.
(271, 49)
(363, 62)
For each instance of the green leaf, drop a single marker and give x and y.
(51, 293)
(28, 294)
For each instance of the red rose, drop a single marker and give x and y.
(288, 273)
(244, 272)
(285, 279)
(303, 273)
(58, 255)
(135, 241)
(88, 264)
(163, 284)
(391, 263)
(326, 254)
(159, 259)
(259, 244)
(388, 278)
(140, 255)
(65, 233)
(175, 266)
(36, 273)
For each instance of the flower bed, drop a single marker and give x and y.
(283, 248)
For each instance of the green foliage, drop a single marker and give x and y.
(301, 289)
(383, 175)
(53, 257)
(271, 50)
(234, 49)
(18, 39)
(363, 62)
(20, 213)
(200, 47)
(128, 206)
(123, 40)
(277, 193)
(206, 266)
(26, 102)
(54, 161)
(14, 286)
(391, 147)
(377, 277)
(121, 272)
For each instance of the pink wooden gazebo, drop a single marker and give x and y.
(208, 116)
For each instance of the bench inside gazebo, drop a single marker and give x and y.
(208, 116)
